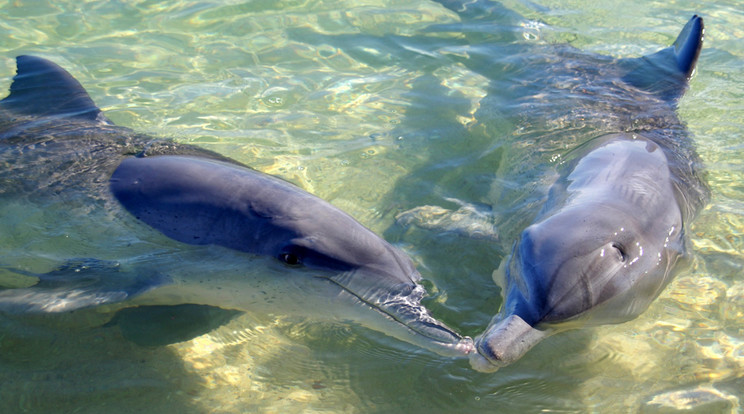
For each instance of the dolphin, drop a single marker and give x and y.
(57, 146)
(613, 227)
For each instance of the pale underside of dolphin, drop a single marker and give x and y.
(56, 144)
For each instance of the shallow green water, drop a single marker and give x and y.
(323, 94)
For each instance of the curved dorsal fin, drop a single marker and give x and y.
(666, 72)
(42, 88)
(688, 44)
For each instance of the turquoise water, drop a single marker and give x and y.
(369, 106)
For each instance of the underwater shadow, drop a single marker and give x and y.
(61, 363)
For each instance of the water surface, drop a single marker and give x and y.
(369, 105)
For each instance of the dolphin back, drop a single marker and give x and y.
(200, 201)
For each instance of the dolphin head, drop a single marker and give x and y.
(601, 251)
(200, 201)
(592, 264)
(362, 264)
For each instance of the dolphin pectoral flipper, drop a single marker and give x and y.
(666, 72)
(43, 88)
(76, 285)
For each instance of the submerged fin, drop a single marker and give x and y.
(165, 325)
(42, 88)
(76, 285)
(666, 72)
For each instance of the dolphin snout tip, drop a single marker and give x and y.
(503, 343)
(482, 364)
(462, 347)
(466, 346)
(487, 356)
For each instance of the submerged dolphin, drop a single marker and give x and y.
(55, 144)
(614, 224)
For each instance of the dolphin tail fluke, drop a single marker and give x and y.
(42, 88)
(666, 72)
(76, 285)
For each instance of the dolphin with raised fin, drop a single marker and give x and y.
(614, 224)
(56, 143)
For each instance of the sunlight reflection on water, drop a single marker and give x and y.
(247, 80)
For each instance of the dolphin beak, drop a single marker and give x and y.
(408, 311)
(504, 342)
(401, 303)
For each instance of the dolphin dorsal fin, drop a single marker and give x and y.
(687, 46)
(666, 72)
(42, 88)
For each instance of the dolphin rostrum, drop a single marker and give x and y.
(613, 226)
(56, 144)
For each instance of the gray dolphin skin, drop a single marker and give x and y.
(55, 143)
(612, 230)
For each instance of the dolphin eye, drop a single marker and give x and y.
(290, 259)
(620, 249)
